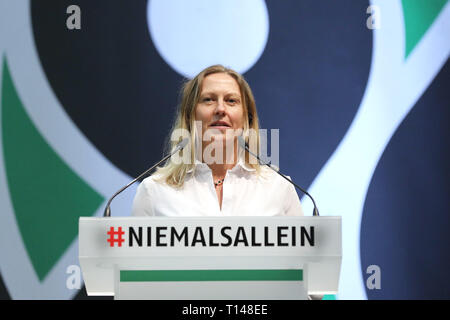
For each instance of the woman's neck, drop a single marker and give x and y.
(220, 170)
(227, 162)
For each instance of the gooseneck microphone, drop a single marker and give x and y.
(243, 145)
(179, 146)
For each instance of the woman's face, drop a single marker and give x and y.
(220, 109)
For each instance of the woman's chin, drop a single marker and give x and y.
(223, 133)
(223, 138)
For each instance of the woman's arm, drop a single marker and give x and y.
(142, 204)
(292, 202)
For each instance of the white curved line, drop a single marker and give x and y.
(393, 88)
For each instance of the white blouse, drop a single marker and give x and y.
(245, 193)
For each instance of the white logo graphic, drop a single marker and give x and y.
(192, 35)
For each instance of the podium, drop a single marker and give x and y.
(210, 258)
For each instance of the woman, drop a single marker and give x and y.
(216, 177)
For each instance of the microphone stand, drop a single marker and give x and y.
(181, 145)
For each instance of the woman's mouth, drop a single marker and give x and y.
(220, 125)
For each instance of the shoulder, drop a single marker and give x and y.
(157, 183)
(148, 187)
(146, 184)
(268, 175)
(276, 183)
(154, 180)
(149, 181)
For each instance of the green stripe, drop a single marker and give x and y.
(47, 195)
(210, 275)
(419, 15)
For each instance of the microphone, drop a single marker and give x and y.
(242, 144)
(179, 146)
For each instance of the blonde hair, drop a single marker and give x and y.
(173, 173)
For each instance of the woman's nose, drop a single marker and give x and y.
(220, 107)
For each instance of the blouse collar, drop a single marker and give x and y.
(201, 166)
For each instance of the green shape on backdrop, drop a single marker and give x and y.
(47, 195)
(419, 15)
